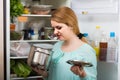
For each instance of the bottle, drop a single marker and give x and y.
(48, 32)
(26, 10)
(31, 33)
(96, 40)
(26, 34)
(42, 33)
(112, 48)
(103, 47)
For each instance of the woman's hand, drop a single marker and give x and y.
(40, 71)
(78, 70)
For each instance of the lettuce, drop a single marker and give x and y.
(21, 68)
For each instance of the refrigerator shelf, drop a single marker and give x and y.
(31, 77)
(21, 57)
(35, 15)
(33, 40)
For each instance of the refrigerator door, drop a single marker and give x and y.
(102, 13)
(1, 43)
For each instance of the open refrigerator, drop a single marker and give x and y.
(104, 13)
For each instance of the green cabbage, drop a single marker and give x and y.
(20, 68)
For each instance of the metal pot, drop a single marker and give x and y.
(39, 57)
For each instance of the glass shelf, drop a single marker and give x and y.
(35, 15)
(20, 57)
(31, 77)
(33, 40)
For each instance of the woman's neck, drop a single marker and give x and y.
(73, 41)
(71, 44)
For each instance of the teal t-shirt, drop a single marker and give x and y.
(60, 70)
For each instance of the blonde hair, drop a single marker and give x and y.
(67, 16)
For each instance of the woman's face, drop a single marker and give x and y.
(61, 30)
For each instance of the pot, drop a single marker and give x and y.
(39, 57)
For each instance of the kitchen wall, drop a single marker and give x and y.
(1, 42)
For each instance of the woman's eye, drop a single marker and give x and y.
(58, 27)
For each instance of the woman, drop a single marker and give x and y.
(72, 46)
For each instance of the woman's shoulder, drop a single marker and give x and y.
(58, 43)
(87, 48)
(88, 53)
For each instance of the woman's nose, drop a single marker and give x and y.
(55, 31)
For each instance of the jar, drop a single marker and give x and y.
(39, 57)
(35, 37)
(48, 32)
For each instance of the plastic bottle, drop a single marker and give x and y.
(103, 47)
(112, 48)
(96, 40)
(42, 33)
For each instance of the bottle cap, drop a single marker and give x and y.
(112, 34)
(97, 27)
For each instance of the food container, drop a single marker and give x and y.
(39, 57)
(48, 32)
(41, 9)
(34, 37)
